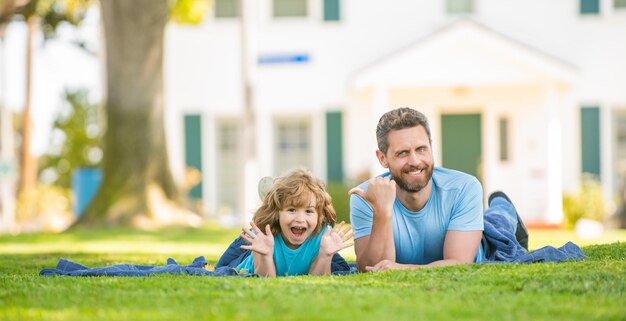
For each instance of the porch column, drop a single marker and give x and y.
(7, 171)
(210, 161)
(490, 157)
(380, 105)
(607, 171)
(554, 214)
(265, 147)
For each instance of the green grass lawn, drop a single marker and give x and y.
(594, 289)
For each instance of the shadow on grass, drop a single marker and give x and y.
(210, 234)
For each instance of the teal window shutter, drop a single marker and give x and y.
(334, 146)
(590, 139)
(619, 3)
(226, 8)
(459, 6)
(332, 10)
(193, 149)
(504, 139)
(290, 8)
(589, 7)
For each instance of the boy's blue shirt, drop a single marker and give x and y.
(288, 261)
(234, 255)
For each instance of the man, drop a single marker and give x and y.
(417, 214)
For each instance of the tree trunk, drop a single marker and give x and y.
(7, 9)
(137, 189)
(28, 166)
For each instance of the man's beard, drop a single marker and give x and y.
(415, 187)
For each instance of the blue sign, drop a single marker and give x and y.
(271, 59)
(85, 184)
(6, 169)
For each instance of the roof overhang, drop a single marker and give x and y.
(464, 53)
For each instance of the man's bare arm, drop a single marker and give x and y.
(376, 247)
(459, 248)
(379, 245)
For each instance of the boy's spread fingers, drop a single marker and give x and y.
(255, 227)
(268, 230)
(345, 246)
(248, 234)
(246, 238)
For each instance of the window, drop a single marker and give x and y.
(618, 4)
(504, 139)
(590, 139)
(334, 146)
(292, 144)
(459, 6)
(589, 7)
(619, 118)
(227, 169)
(331, 10)
(193, 149)
(226, 8)
(290, 8)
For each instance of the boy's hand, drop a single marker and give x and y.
(260, 243)
(335, 240)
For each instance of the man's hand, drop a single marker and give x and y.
(380, 194)
(260, 243)
(388, 265)
(335, 241)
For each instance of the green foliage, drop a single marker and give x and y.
(54, 12)
(341, 200)
(189, 11)
(76, 139)
(44, 208)
(588, 202)
(592, 289)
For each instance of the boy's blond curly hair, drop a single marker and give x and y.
(295, 189)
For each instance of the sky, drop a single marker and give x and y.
(58, 64)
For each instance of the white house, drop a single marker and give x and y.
(7, 172)
(526, 95)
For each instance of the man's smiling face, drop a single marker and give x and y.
(409, 158)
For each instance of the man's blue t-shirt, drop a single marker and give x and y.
(455, 204)
(290, 262)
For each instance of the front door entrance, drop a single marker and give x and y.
(461, 143)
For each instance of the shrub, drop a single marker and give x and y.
(45, 208)
(341, 200)
(586, 203)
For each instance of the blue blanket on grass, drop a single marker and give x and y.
(498, 239)
(502, 246)
(69, 268)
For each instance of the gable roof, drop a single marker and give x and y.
(464, 53)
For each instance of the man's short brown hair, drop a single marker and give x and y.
(396, 119)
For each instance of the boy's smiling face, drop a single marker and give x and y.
(297, 222)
